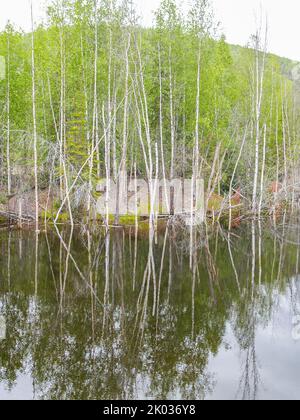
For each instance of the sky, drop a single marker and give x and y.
(237, 18)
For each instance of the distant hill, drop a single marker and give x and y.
(290, 68)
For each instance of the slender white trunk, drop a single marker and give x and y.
(61, 113)
(87, 129)
(172, 124)
(233, 176)
(257, 138)
(161, 130)
(277, 162)
(284, 132)
(109, 100)
(8, 119)
(95, 114)
(107, 168)
(259, 78)
(125, 116)
(122, 173)
(145, 113)
(114, 134)
(196, 169)
(263, 171)
(64, 184)
(149, 161)
(35, 151)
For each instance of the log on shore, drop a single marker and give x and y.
(13, 216)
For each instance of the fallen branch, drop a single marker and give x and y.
(16, 217)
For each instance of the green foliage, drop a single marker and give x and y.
(48, 215)
(3, 199)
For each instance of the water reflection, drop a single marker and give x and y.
(130, 314)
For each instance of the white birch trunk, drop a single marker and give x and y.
(35, 146)
(8, 119)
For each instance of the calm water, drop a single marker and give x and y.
(95, 316)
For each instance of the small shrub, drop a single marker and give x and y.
(3, 199)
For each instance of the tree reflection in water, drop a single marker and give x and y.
(118, 315)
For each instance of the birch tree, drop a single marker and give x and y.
(260, 58)
(8, 115)
(35, 139)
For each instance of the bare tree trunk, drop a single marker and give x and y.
(64, 185)
(277, 162)
(233, 176)
(95, 113)
(262, 172)
(171, 115)
(284, 147)
(259, 78)
(61, 113)
(85, 97)
(114, 131)
(196, 169)
(8, 119)
(122, 175)
(109, 100)
(161, 130)
(35, 151)
(145, 113)
(107, 168)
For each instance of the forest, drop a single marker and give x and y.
(91, 94)
(112, 302)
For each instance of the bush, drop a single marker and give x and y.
(3, 199)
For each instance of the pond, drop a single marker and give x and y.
(123, 315)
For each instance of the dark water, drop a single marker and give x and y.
(206, 317)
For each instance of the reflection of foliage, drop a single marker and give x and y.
(76, 347)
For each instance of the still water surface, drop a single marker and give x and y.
(96, 315)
